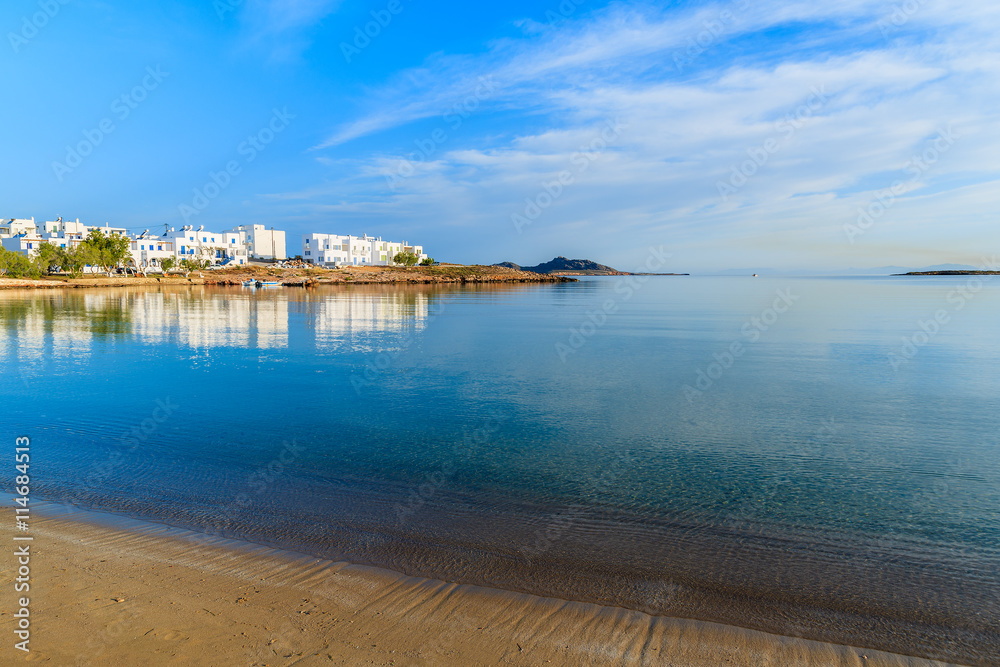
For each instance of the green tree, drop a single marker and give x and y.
(194, 264)
(73, 260)
(16, 265)
(167, 263)
(49, 258)
(428, 261)
(108, 250)
(405, 258)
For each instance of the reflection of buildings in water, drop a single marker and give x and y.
(46, 325)
(71, 337)
(271, 322)
(151, 317)
(65, 326)
(30, 336)
(216, 320)
(213, 322)
(342, 317)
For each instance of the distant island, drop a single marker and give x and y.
(949, 273)
(576, 267)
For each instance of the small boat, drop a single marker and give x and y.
(249, 283)
(268, 283)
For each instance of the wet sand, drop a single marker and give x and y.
(110, 591)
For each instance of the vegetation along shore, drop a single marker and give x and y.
(299, 276)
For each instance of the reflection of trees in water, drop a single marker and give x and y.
(111, 319)
(100, 314)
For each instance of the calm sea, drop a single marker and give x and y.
(811, 457)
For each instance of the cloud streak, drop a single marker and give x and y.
(693, 116)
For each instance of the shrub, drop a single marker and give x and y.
(405, 258)
(16, 265)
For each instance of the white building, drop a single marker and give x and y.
(26, 244)
(71, 233)
(336, 250)
(148, 252)
(23, 236)
(78, 230)
(261, 242)
(15, 226)
(20, 235)
(217, 247)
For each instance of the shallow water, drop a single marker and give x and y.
(689, 450)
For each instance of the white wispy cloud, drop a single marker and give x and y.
(282, 27)
(839, 117)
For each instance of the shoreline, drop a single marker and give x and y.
(948, 273)
(107, 589)
(301, 277)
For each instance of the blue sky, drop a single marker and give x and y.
(741, 133)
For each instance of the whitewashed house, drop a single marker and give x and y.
(148, 251)
(337, 250)
(224, 248)
(16, 226)
(261, 242)
(24, 243)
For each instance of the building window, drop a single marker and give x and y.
(307, 253)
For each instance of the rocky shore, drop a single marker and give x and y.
(301, 277)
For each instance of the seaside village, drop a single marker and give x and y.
(215, 249)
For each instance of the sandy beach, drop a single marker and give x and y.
(110, 591)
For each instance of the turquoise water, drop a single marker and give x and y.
(813, 457)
